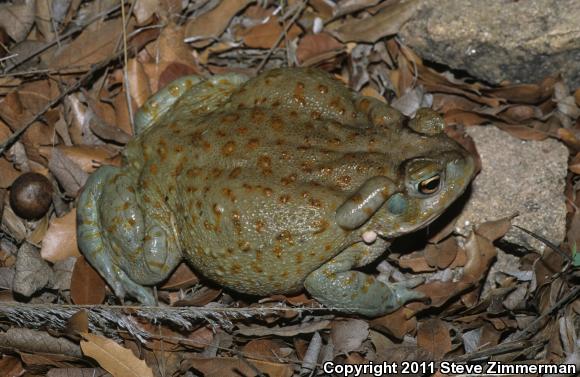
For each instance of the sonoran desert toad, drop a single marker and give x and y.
(268, 185)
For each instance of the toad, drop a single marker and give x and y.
(269, 185)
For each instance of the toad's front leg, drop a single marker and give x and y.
(127, 248)
(336, 285)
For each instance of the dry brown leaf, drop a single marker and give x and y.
(480, 255)
(415, 261)
(60, 241)
(200, 297)
(78, 323)
(182, 278)
(32, 273)
(87, 286)
(11, 366)
(78, 372)
(441, 255)
(145, 9)
(90, 47)
(521, 93)
(308, 327)
(7, 173)
(398, 324)
(570, 137)
(265, 349)
(523, 132)
(16, 19)
(493, 230)
(348, 335)
(233, 367)
(465, 118)
(266, 35)
(117, 360)
(172, 49)
(207, 27)
(439, 292)
(138, 83)
(88, 158)
(433, 335)
(386, 22)
(70, 175)
(314, 48)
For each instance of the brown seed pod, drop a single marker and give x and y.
(31, 195)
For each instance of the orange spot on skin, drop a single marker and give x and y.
(236, 221)
(299, 93)
(236, 269)
(193, 172)
(244, 245)
(258, 116)
(153, 169)
(298, 258)
(323, 89)
(289, 179)
(343, 181)
(276, 123)
(228, 148)
(315, 115)
(284, 199)
(253, 143)
(259, 226)
(242, 130)
(277, 250)
(322, 226)
(267, 191)
(264, 162)
(229, 118)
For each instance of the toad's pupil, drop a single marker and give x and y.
(429, 186)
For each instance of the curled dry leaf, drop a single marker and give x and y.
(16, 19)
(433, 335)
(87, 286)
(415, 261)
(315, 48)
(32, 272)
(60, 241)
(386, 22)
(138, 83)
(28, 340)
(265, 349)
(88, 158)
(70, 175)
(441, 255)
(494, 230)
(480, 255)
(90, 47)
(183, 277)
(348, 335)
(203, 29)
(398, 324)
(266, 35)
(8, 173)
(117, 360)
(305, 328)
(235, 367)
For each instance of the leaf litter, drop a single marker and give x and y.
(69, 82)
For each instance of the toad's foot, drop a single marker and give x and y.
(335, 285)
(127, 249)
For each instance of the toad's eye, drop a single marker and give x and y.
(430, 185)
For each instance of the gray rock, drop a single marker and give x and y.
(519, 41)
(525, 177)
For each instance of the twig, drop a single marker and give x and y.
(532, 328)
(80, 82)
(70, 33)
(281, 36)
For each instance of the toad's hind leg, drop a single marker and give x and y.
(336, 285)
(126, 248)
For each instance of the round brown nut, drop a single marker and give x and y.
(31, 195)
